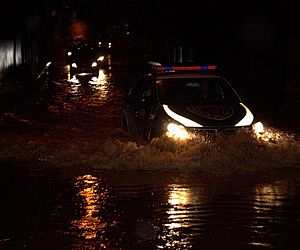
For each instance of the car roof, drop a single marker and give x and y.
(173, 75)
(159, 71)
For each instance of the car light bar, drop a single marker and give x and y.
(184, 68)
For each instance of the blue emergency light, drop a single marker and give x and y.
(184, 68)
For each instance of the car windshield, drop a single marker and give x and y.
(86, 54)
(195, 90)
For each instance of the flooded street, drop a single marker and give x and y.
(71, 178)
(44, 209)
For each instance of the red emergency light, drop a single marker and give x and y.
(184, 68)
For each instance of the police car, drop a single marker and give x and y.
(181, 101)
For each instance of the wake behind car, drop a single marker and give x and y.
(179, 101)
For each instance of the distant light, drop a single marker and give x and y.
(94, 64)
(74, 65)
(101, 58)
(155, 64)
(69, 53)
(94, 79)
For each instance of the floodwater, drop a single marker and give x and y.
(71, 179)
(44, 209)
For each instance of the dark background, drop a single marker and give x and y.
(255, 44)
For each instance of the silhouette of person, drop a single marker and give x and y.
(204, 89)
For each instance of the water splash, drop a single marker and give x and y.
(242, 152)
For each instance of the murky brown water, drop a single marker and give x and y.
(44, 209)
(71, 179)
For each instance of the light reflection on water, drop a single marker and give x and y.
(185, 212)
(270, 195)
(180, 216)
(97, 84)
(271, 205)
(87, 92)
(88, 192)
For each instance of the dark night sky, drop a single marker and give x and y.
(249, 35)
(185, 16)
(175, 17)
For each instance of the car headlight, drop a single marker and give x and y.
(258, 127)
(177, 131)
(94, 64)
(100, 58)
(248, 118)
(74, 65)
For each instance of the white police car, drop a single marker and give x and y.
(179, 101)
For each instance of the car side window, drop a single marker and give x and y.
(137, 89)
(148, 90)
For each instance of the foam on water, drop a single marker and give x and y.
(227, 153)
(222, 153)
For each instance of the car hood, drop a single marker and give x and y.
(211, 114)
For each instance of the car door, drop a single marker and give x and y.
(138, 104)
(145, 107)
(131, 107)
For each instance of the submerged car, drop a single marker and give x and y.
(180, 101)
(86, 58)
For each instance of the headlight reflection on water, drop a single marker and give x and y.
(100, 85)
(90, 224)
(270, 195)
(173, 235)
(97, 84)
(100, 80)
(179, 196)
(268, 198)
